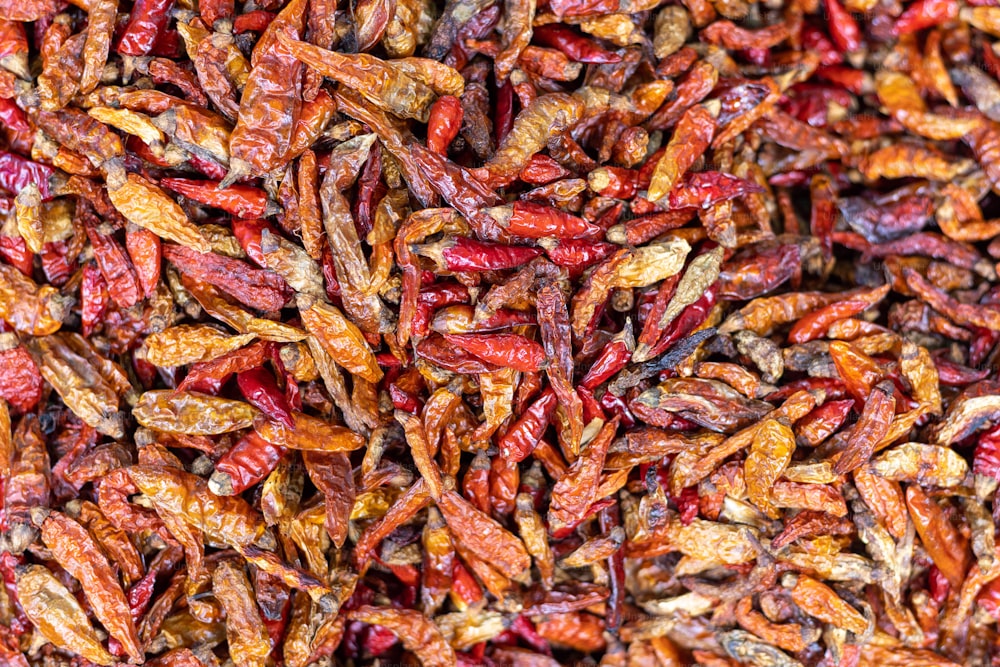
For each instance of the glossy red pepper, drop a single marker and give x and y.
(147, 20)
(461, 253)
(510, 350)
(254, 21)
(260, 389)
(246, 463)
(924, 14)
(445, 122)
(518, 441)
(243, 201)
(16, 173)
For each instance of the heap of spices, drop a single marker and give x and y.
(499, 333)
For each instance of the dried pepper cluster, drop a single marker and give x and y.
(521, 333)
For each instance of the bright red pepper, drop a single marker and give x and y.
(243, 201)
(843, 28)
(578, 47)
(15, 251)
(577, 254)
(94, 298)
(260, 390)
(523, 218)
(445, 121)
(246, 463)
(21, 381)
(16, 173)
(147, 21)
(460, 253)
(248, 233)
(254, 21)
(613, 357)
(516, 444)
(509, 350)
(924, 14)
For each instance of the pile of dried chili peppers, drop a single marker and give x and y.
(521, 333)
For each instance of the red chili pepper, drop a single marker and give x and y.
(116, 267)
(566, 531)
(617, 182)
(246, 463)
(8, 566)
(591, 406)
(248, 233)
(371, 189)
(238, 361)
(94, 298)
(542, 169)
(577, 254)
(433, 297)
(21, 381)
(213, 10)
(613, 357)
(924, 14)
(506, 350)
(147, 20)
(55, 264)
(843, 28)
(982, 345)
(503, 115)
(145, 250)
(168, 45)
(578, 47)
(440, 352)
(816, 41)
(617, 405)
(830, 416)
(938, 585)
(857, 81)
(138, 148)
(260, 389)
(704, 188)
(464, 585)
(955, 375)
(525, 630)
(404, 400)
(15, 251)
(523, 218)
(815, 324)
(255, 21)
(244, 201)
(440, 295)
(460, 253)
(12, 117)
(476, 483)
(986, 460)
(690, 318)
(208, 167)
(257, 288)
(516, 444)
(444, 124)
(16, 173)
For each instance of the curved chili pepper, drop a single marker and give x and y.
(243, 201)
(466, 254)
(510, 350)
(147, 22)
(444, 123)
(573, 44)
(260, 389)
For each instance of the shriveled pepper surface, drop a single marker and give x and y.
(522, 333)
